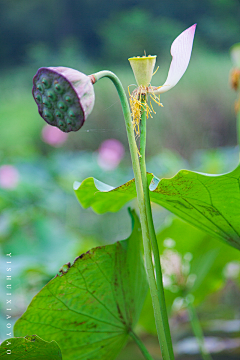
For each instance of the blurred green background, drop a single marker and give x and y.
(41, 222)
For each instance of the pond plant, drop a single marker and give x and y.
(89, 310)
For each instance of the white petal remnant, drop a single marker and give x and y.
(181, 50)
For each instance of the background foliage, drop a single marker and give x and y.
(113, 30)
(41, 221)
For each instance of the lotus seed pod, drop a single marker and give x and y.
(64, 96)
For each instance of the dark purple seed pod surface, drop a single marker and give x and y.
(64, 96)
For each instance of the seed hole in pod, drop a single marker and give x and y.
(71, 114)
(46, 83)
(62, 106)
(69, 99)
(61, 124)
(47, 115)
(58, 114)
(40, 88)
(46, 102)
(58, 88)
(51, 95)
(38, 98)
(69, 121)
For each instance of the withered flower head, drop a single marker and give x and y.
(65, 97)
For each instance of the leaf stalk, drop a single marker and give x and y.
(149, 237)
(154, 243)
(141, 346)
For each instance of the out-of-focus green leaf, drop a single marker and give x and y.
(201, 258)
(209, 202)
(29, 348)
(90, 308)
(193, 263)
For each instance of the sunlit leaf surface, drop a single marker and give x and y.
(102, 197)
(92, 305)
(29, 348)
(210, 202)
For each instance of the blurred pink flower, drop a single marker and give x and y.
(53, 136)
(9, 177)
(110, 153)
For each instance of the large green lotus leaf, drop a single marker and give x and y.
(90, 308)
(29, 348)
(209, 202)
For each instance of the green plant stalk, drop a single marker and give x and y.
(155, 249)
(164, 345)
(197, 330)
(141, 346)
(238, 127)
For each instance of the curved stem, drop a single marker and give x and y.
(127, 116)
(164, 345)
(155, 249)
(141, 346)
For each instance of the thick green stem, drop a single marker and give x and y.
(197, 329)
(238, 128)
(164, 344)
(127, 116)
(141, 346)
(155, 249)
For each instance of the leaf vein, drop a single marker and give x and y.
(80, 313)
(99, 301)
(71, 330)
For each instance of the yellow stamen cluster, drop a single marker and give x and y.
(237, 106)
(138, 103)
(235, 79)
(235, 84)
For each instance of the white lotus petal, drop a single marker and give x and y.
(181, 50)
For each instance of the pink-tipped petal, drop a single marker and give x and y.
(181, 50)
